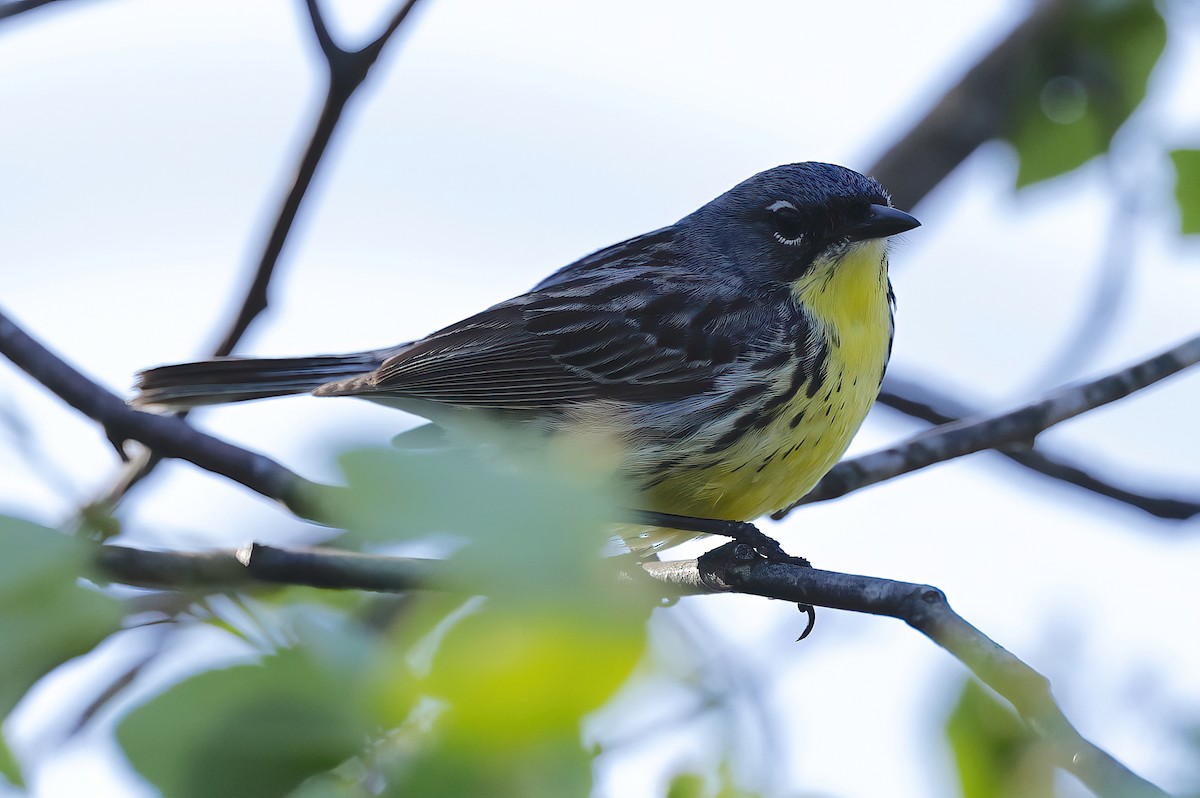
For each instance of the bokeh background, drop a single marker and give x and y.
(143, 151)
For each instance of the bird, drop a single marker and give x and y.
(728, 358)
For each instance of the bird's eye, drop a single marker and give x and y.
(789, 223)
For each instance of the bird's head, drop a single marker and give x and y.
(789, 221)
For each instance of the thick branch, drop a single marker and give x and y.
(920, 401)
(975, 110)
(14, 7)
(922, 607)
(166, 435)
(1018, 427)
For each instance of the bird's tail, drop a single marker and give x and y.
(237, 379)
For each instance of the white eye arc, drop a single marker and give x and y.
(784, 205)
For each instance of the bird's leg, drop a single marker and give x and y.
(741, 532)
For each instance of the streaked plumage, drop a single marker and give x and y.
(730, 357)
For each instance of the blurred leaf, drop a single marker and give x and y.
(251, 730)
(514, 677)
(1187, 189)
(46, 617)
(997, 756)
(513, 682)
(693, 785)
(509, 678)
(1082, 82)
(551, 767)
(687, 785)
(439, 695)
(9, 769)
(532, 526)
(729, 788)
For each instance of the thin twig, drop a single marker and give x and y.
(937, 407)
(923, 607)
(1020, 426)
(345, 72)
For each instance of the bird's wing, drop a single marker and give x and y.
(609, 329)
(548, 350)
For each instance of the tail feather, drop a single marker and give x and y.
(236, 379)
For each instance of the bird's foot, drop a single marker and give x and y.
(712, 566)
(749, 543)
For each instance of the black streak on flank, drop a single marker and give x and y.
(820, 370)
(736, 399)
(740, 425)
(767, 460)
(774, 361)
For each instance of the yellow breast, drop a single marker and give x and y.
(849, 301)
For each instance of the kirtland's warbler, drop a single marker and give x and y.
(730, 356)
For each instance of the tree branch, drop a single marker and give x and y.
(14, 7)
(923, 607)
(919, 401)
(165, 435)
(1020, 426)
(256, 565)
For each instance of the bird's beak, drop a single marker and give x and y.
(882, 222)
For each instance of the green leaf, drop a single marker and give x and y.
(46, 616)
(997, 756)
(1187, 189)
(512, 683)
(512, 677)
(1081, 82)
(687, 785)
(250, 730)
(9, 768)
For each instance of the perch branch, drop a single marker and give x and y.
(923, 607)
